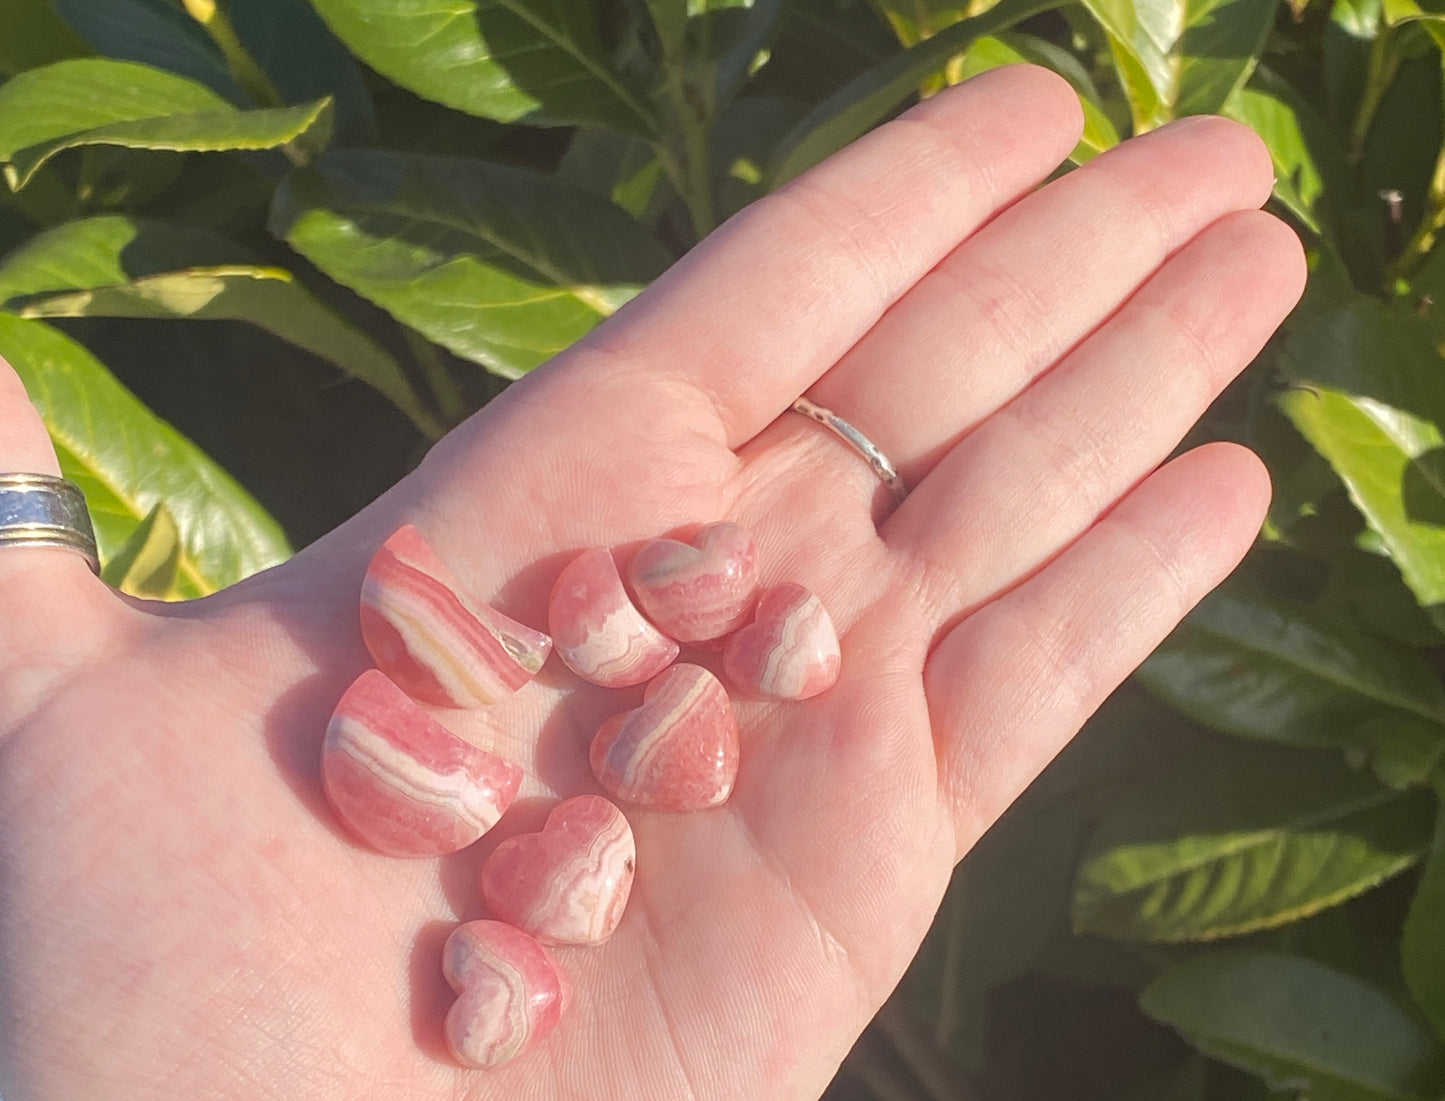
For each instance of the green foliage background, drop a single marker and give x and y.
(317, 234)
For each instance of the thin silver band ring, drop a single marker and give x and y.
(886, 471)
(37, 510)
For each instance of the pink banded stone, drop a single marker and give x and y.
(701, 591)
(568, 884)
(437, 645)
(600, 635)
(789, 651)
(404, 783)
(512, 993)
(678, 751)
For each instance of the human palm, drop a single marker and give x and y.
(182, 918)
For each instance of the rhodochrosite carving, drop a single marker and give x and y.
(568, 884)
(404, 783)
(600, 635)
(789, 651)
(678, 751)
(437, 645)
(511, 993)
(701, 591)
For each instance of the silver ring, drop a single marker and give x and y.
(886, 471)
(37, 510)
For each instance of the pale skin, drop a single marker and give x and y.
(181, 918)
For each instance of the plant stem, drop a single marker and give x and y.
(949, 994)
(699, 178)
(940, 1083)
(877, 1075)
(1384, 64)
(444, 390)
(210, 14)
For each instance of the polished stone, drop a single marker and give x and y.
(569, 883)
(790, 650)
(678, 751)
(404, 783)
(700, 591)
(511, 993)
(600, 635)
(439, 645)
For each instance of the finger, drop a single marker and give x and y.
(1009, 301)
(1034, 477)
(753, 315)
(1012, 683)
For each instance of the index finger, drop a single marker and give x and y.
(767, 303)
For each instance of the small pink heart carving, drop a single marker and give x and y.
(568, 884)
(678, 751)
(699, 592)
(512, 993)
(789, 651)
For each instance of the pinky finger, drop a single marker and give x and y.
(1012, 683)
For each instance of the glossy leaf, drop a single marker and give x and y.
(146, 565)
(1239, 841)
(1422, 945)
(1282, 673)
(1367, 396)
(538, 60)
(114, 266)
(1300, 1025)
(990, 52)
(35, 36)
(862, 103)
(1182, 57)
(157, 33)
(101, 102)
(501, 266)
(914, 20)
(127, 460)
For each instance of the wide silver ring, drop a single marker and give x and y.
(37, 510)
(886, 471)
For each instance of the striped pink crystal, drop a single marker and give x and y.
(438, 645)
(678, 751)
(404, 783)
(790, 650)
(599, 634)
(699, 591)
(568, 884)
(511, 993)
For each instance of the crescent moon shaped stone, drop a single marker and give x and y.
(438, 646)
(404, 783)
(600, 634)
(789, 651)
(511, 993)
(697, 592)
(568, 884)
(678, 751)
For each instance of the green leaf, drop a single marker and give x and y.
(1238, 841)
(35, 36)
(1282, 673)
(1182, 57)
(157, 33)
(100, 102)
(127, 460)
(1299, 1024)
(147, 564)
(915, 20)
(1367, 396)
(867, 100)
(501, 266)
(114, 266)
(1308, 161)
(990, 52)
(538, 60)
(1422, 945)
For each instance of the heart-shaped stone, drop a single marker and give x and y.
(701, 591)
(600, 634)
(789, 651)
(404, 783)
(568, 884)
(439, 646)
(511, 993)
(678, 751)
